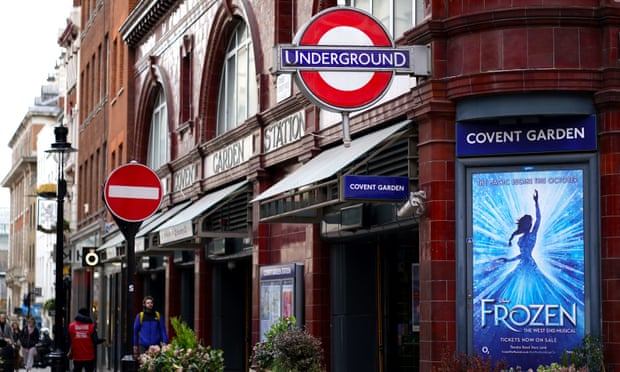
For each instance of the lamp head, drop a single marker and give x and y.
(61, 145)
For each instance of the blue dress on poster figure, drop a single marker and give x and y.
(525, 283)
(527, 240)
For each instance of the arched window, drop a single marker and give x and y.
(159, 146)
(237, 95)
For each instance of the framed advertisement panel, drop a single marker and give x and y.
(281, 294)
(528, 251)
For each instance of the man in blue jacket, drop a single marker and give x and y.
(148, 328)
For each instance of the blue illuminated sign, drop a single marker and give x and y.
(528, 302)
(375, 187)
(548, 135)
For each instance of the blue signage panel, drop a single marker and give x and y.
(375, 187)
(550, 135)
(326, 58)
(273, 272)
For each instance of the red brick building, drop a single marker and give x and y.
(98, 114)
(516, 119)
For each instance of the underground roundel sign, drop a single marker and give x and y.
(133, 192)
(90, 257)
(343, 59)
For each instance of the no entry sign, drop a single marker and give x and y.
(133, 192)
(344, 59)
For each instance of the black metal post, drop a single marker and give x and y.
(58, 358)
(129, 229)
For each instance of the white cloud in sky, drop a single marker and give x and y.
(29, 32)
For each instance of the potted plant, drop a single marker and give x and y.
(184, 354)
(287, 348)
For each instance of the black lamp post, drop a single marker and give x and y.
(58, 357)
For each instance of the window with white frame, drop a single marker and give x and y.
(159, 148)
(238, 95)
(398, 16)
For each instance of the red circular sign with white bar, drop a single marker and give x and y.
(344, 90)
(133, 192)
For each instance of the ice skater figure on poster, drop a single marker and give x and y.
(524, 282)
(527, 238)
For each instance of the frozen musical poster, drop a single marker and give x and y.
(527, 246)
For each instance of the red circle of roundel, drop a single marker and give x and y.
(315, 84)
(133, 192)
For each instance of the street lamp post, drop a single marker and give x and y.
(58, 357)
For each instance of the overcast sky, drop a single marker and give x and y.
(29, 32)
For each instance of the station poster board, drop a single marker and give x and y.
(281, 294)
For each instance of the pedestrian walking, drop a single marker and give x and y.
(6, 332)
(148, 328)
(29, 337)
(16, 344)
(83, 339)
(15, 332)
(7, 357)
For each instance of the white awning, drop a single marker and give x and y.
(114, 241)
(330, 161)
(154, 222)
(180, 226)
(117, 239)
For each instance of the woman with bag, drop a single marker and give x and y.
(29, 337)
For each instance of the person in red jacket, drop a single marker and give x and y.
(83, 339)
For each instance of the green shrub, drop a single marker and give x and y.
(287, 348)
(588, 354)
(556, 367)
(587, 357)
(297, 351)
(263, 352)
(185, 353)
(185, 337)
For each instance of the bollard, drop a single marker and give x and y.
(129, 364)
(59, 361)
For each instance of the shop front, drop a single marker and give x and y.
(366, 243)
(208, 276)
(110, 276)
